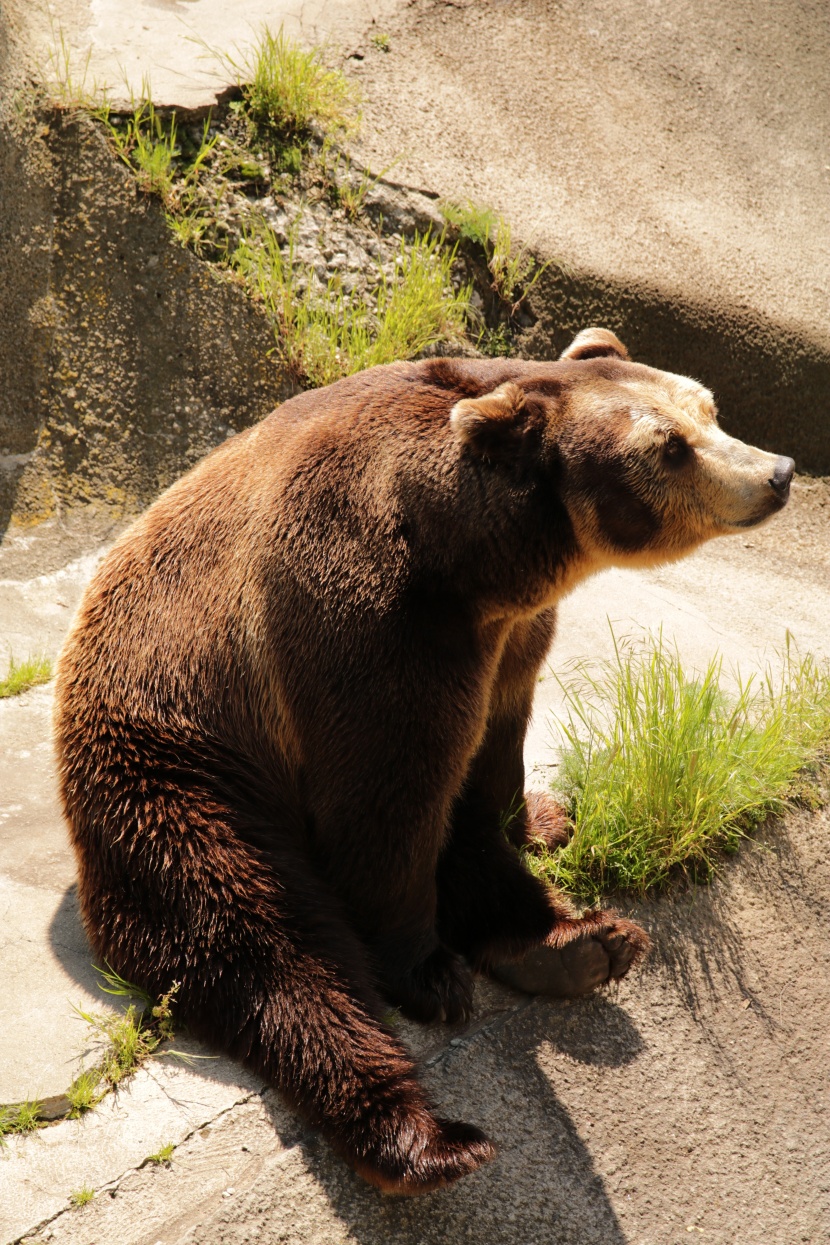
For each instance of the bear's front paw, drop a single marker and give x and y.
(439, 988)
(577, 957)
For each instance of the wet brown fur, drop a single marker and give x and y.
(291, 712)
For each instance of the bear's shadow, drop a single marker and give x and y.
(543, 1186)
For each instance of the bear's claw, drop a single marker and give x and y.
(578, 958)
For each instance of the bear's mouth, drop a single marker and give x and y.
(776, 502)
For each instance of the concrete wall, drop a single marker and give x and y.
(123, 358)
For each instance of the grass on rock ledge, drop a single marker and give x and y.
(278, 151)
(324, 337)
(663, 772)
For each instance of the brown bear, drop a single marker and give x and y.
(291, 711)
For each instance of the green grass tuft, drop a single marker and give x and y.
(325, 335)
(287, 91)
(25, 674)
(663, 771)
(85, 1093)
(514, 271)
(131, 1037)
(82, 1196)
(474, 223)
(148, 143)
(22, 1117)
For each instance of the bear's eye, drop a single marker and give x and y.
(676, 449)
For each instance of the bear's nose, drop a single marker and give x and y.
(782, 475)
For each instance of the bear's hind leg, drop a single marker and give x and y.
(270, 973)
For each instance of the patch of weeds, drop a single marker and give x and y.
(148, 143)
(85, 1093)
(497, 342)
(22, 1118)
(381, 42)
(129, 1039)
(343, 300)
(287, 91)
(339, 184)
(23, 675)
(326, 334)
(128, 1042)
(82, 1196)
(514, 271)
(163, 1156)
(194, 227)
(663, 771)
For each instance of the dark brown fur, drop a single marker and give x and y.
(290, 721)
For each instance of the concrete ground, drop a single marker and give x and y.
(690, 1102)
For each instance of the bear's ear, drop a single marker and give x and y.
(490, 423)
(595, 344)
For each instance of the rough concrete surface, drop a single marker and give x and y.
(123, 359)
(146, 358)
(690, 1102)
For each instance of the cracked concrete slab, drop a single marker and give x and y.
(162, 1103)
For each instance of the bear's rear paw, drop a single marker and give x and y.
(547, 821)
(578, 957)
(427, 1156)
(439, 988)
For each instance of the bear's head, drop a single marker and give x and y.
(635, 454)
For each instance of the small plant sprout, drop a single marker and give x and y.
(120, 987)
(163, 1156)
(23, 675)
(381, 42)
(515, 272)
(474, 223)
(663, 771)
(68, 86)
(81, 1197)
